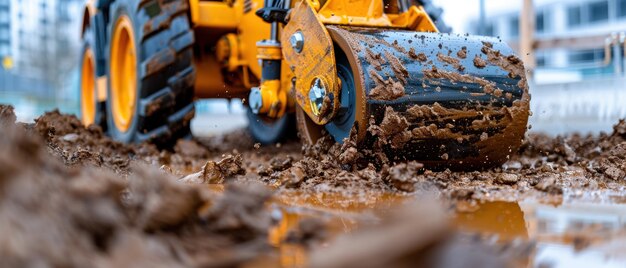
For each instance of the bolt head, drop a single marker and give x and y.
(297, 41)
(317, 92)
(255, 100)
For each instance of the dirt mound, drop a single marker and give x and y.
(59, 212)
(543, 167)
(66, 137)
(7, 114)
(77, 214)
(109, 203)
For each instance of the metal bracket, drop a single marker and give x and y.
(314, 60)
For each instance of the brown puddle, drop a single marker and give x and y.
(570, 234)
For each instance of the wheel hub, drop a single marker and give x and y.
(123, 74)
(87, 89)
(343, 122)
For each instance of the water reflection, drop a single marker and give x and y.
(566, 235)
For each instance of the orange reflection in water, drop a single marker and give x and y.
(557, 229)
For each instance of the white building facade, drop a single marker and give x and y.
(561, 19)
(45, 36)
(5, 28)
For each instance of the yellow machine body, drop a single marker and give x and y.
(338, 65)
(317, 60)
(234, 29)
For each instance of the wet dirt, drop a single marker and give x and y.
(434, 73)
(462, 54)
(375, 59)
(479, 62)
(200, 203)
(456, 63)
(417, 56)
(385, 89)
(84, 214)
(398, 68)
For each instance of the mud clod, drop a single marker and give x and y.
(511, 63)
(479, 62)
(434, 73)
(421, 56)
(507, 178)
(349, 156)
(375, 59)
(385, 89)
(549, 184)
(620, 128)
(403, 176)
(393, 129)
(7, 114)
(393, 123)
(214, 173)
(162, 202)
(456, 63)
(462, 54)
(398, 68)
(293, 177)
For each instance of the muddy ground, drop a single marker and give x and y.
(70, 196)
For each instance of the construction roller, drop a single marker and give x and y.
(448, 101)
(378, 67)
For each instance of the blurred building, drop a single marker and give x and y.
(42, 39)
(5, 28)
(573, 87)
(580, 26)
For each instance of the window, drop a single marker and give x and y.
(541, 61)
(598, 11)
(573, 16)
(540, 22)
(542, 58)
(4, 50)
(489, 29)
(586, 56)
(5, 16)
(514, 27)
(5, 32)
(621, 8)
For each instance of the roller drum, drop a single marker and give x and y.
(449, 101)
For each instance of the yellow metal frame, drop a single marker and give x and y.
(228, 53)
(371, 13)
(235, 20)
(317, 60)
(215, 14)
(273, 94)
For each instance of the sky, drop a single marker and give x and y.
(457, 13)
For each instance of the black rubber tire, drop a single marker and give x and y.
(435, 14)
(88, 42)
(271, 131)
(164, 41)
